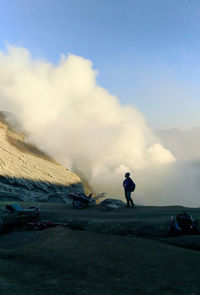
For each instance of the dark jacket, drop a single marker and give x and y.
(128, 185)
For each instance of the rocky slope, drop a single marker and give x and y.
(26, 173)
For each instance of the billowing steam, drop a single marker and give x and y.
(82, 126)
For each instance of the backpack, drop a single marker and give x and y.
(132, 187)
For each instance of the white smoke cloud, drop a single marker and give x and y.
(80, 124)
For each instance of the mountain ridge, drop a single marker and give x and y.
(184, 144)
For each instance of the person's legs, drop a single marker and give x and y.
(132, 204)
(128, 198)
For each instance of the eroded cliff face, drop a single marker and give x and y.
(26, 173)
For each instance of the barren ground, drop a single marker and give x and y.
(120, 251)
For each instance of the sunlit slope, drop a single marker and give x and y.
(24, 169)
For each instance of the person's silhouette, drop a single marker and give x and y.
(129, 187)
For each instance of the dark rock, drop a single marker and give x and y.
(112, 203)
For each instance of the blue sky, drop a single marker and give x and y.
(147, 52)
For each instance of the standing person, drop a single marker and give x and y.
(129, 187)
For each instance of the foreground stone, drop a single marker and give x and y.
(112, 203)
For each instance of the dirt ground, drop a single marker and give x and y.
(119, 251)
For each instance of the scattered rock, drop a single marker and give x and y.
(112, 203)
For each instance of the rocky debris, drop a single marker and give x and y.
(14, 216)
(112, 203)
(28, 174)
(81, 200)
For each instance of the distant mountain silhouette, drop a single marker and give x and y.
(185, 145)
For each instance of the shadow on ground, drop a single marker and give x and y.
(120, 251)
